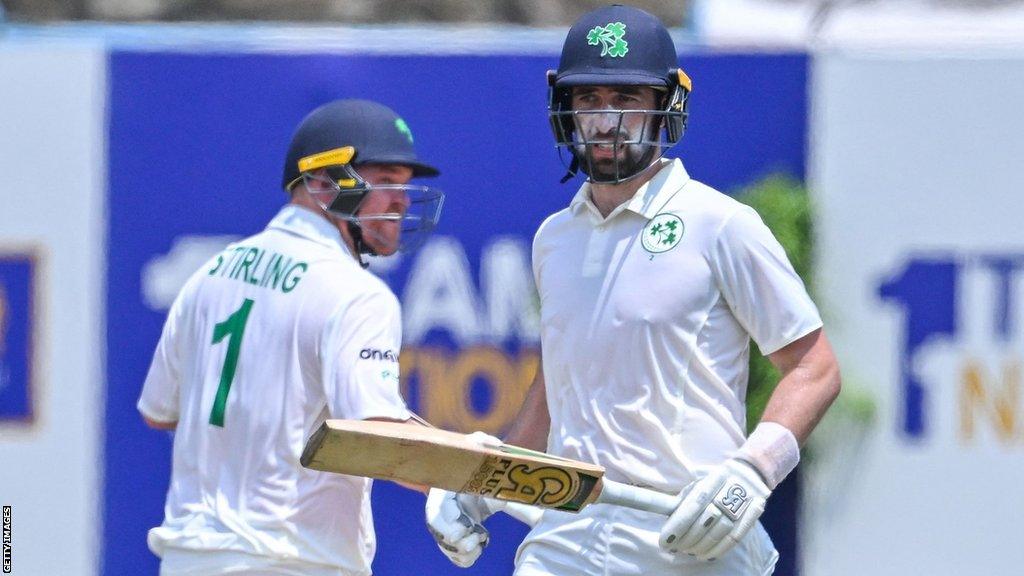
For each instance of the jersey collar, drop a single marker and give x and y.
(649, 198)
(656, 192)
(307, 224)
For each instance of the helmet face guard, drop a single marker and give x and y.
(416, 222)
(635, 138)
(336, 186)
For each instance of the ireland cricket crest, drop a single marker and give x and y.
(662, 233)
(611, 38)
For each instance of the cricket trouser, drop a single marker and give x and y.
(605, 540)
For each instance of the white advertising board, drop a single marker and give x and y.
(52, 154)
(916, 168)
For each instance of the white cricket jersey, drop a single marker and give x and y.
(275, 334)
(646, 321)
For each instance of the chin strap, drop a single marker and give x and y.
(573, 167)
(360, 246)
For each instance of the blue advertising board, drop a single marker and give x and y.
(197, 143)
(18, 325)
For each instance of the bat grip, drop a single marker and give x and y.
(637, 498)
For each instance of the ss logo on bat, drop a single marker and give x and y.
(546, 485)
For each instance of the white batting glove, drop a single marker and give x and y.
(456, 520)
(716, 512)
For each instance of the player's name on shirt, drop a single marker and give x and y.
(259, 267)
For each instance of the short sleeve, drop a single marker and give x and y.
(758, 282)
(535, 250)
(360, 356)
(159, 399)
(535, 264)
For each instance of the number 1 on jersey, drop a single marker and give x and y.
(234, 327)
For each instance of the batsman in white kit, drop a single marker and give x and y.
(277, 333)
(651, 287)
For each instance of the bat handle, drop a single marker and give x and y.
(637, 498)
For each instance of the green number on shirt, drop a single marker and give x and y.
(234, 327)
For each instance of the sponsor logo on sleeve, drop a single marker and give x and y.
(375, 354)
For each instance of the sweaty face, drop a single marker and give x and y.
(614, 129)
(381, 211)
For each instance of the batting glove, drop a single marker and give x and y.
(456, 520)
(716, 512)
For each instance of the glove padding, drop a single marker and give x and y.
(716, 512)
(456, 520)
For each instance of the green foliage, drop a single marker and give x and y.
(784, 206)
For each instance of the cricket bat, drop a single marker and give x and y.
(429, 456)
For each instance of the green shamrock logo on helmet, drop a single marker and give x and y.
(404, 129)
(611, 37)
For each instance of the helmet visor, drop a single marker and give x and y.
(398, 217)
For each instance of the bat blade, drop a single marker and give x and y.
(418, 455)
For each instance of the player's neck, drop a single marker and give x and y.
(346, 236)
(608, 197)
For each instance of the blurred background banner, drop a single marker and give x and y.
(52, 268)
(131, 153)
(916, 166)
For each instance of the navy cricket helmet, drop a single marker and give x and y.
(378, 135)
(330, 145)
(618, 46)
